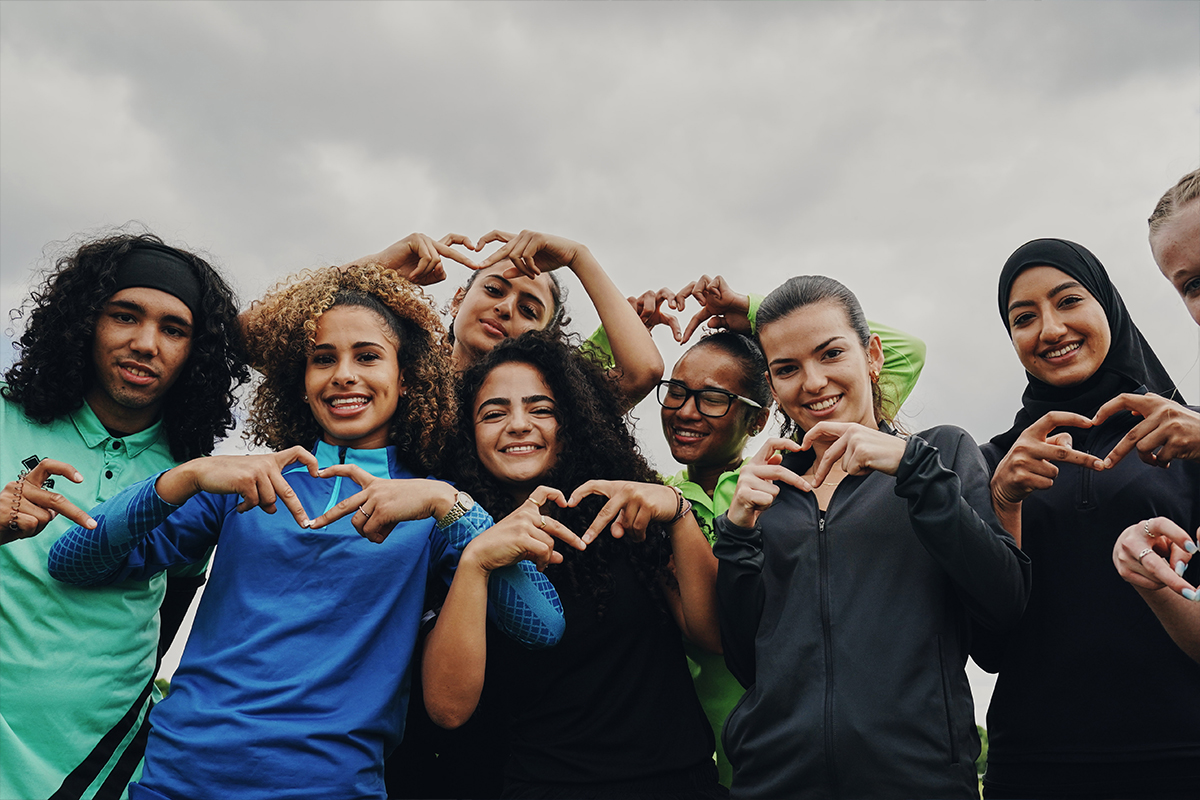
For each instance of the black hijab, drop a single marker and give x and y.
(1129, 365)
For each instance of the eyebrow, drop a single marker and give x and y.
(355, 346)
(173, 319)
(1062, 287)
(506, 403)
(816, 349)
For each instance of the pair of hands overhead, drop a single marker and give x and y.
(419, 258)
(720, 307)
(855, 448)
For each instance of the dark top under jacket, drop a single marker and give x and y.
(850, 629)
(1089, 675)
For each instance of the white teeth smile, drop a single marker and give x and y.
(347, 402)
(521, 448)
(140, 373)
(823, 404)
(1062, 351)
(688, 434)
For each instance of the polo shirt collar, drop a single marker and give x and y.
(94, 434)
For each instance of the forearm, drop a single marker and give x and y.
(696, 573)
(1179, 616)
(522, 601)
(952, 516)
(739, 594)
(635, 355)
(452, 668)
(94, 557)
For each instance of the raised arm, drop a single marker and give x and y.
(636, 359)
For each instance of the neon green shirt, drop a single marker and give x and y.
(74, 661)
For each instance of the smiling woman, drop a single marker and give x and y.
(1060, 488)
(355, 397)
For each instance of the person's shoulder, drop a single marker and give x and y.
(949, 438)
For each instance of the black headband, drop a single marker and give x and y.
(156, 266)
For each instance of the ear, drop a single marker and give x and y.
(456, 301)
(761, 417)
(875, 355)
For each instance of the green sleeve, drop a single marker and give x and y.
(903, 360)
(752, 311)
(597, 349)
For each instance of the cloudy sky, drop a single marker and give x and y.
(904, 148)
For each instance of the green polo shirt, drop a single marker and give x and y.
(74, 661)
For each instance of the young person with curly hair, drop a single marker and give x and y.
(126, 367)
(610, 711)
(294, 679)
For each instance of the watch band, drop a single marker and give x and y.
(462, 504)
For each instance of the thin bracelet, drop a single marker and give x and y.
(685, 505)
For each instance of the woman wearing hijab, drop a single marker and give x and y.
(1093, 698)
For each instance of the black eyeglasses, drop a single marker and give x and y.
(709, 402)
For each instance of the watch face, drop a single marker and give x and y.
(466, 501)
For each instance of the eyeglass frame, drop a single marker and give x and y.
(689, 393)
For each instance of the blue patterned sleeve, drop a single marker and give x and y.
(95, 557)
(521, 600)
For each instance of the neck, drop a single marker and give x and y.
(706, 476)
(116, 418)
(462, 357)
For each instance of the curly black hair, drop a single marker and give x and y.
(279, 336)
(594, 443)
(54, 365)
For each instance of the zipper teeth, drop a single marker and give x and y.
(822, 548)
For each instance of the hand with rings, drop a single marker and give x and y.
(383, 503)
(524, 535)
(29, 507)
(1153, 554)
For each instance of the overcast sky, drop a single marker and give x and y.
(903, 148)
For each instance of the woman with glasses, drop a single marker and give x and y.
(717, 399)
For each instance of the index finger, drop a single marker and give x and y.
(494, 235)
(55, 502)
(563, 533)
(1058, 419)
(352, 471)
(287, 495)
(607, 514)
(772, 445)
(589, 488)
(699, 317)
(449, 252)
(301, 455)
(1137, 403)
(50, 466)
(458, 238)
(341, 509)
(823, 430)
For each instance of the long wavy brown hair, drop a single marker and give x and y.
(280, 336)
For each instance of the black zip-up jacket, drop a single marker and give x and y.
(851, 628)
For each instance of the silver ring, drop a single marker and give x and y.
(1145, 553)
(1146, 528)
(363, 511)
(541, 523)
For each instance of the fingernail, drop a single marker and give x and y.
(1180, 568)
(1190, 594)
(1190, 546)
(1101, 464)
(78, 477)
(91, 523)
(1107, 463)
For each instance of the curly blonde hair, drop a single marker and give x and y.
(280, 333)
